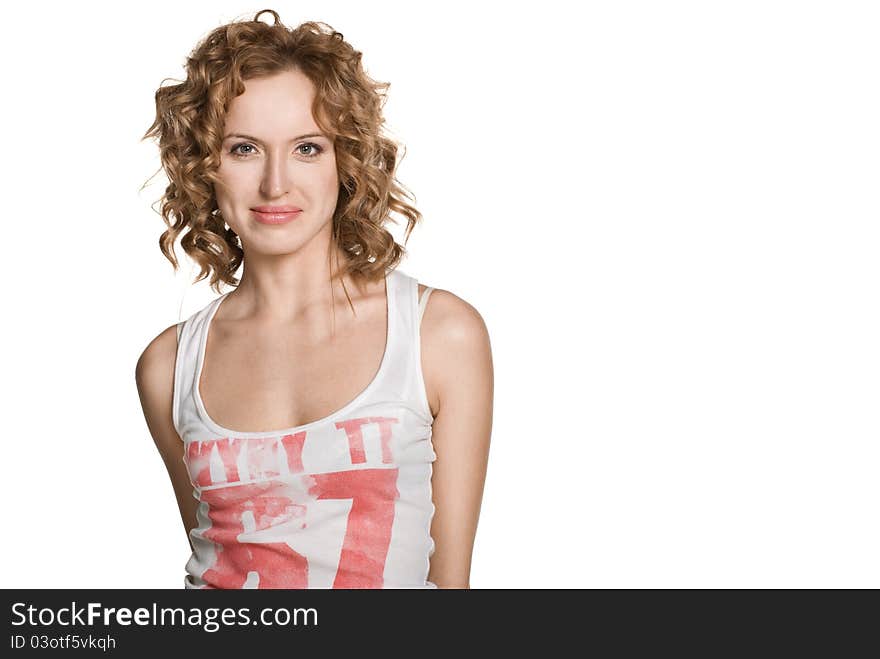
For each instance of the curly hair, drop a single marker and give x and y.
(347, 107)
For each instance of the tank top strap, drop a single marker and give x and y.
(189, 337)
(407, 371)
(424, 302)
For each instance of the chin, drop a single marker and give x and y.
(276, 247)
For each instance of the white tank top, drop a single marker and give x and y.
(342, 502)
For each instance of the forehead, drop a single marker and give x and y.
(281, 103)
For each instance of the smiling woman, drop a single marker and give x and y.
(333, 98)
(308, 450)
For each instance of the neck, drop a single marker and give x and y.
(284, 287)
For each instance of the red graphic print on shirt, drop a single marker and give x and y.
(260, 502)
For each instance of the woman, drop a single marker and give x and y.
(324, 425)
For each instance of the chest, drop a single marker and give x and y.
(254, 380)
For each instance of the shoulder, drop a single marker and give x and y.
(454, 319)
(456, 349)
(154, 371)
(154, 374)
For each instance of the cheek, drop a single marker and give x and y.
(325, 183)
(232, 180)
(332, 183)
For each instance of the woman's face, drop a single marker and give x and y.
(273, 155)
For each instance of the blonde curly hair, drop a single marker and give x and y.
(347, 107)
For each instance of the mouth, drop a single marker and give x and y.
(275, 217)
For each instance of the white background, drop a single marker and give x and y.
(667, 214)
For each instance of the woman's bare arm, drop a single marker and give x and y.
(154, 375)
(456, 352)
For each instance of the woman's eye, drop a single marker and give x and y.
(315, 149)
(235, 150)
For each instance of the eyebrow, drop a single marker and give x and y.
(259, 141)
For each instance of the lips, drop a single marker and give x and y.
(275, 217)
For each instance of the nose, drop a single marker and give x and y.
(275, 181)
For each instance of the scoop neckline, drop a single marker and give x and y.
(228, 432)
